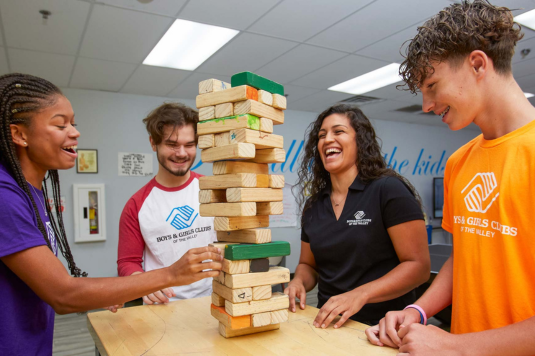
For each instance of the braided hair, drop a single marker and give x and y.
(20, 96)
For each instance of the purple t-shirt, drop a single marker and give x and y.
(26, 321)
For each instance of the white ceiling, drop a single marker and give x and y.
(307, 45)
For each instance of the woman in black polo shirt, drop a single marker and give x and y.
(363, 234)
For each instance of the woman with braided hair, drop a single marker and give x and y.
(38, 137)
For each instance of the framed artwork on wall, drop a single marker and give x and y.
(87, 161)
(89, 212)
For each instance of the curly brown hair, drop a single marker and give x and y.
(312, 175)
(454, 33)
(170, 114)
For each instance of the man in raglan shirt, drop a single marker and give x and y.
(460, 60)
(161, 222)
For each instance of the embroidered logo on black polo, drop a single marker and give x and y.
(359, 219)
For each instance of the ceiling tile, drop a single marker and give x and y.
(4, 69)
(375, 22)
(299, 61)
(155, 81)
(55, 68)
(100, 75)
(389, 92)
(236, 14)
(246, 52)
(295, 93)
(162, 7)
(319, 101)
(340, 71)
(25, 28)
(300, 19)
(122, 35)
(189, 88)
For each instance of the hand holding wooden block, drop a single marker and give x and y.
(236, 267)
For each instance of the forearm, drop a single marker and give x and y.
(307, 275)
(399, 281)
(515, 339)
(439, 294)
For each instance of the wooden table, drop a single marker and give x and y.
(186, 327)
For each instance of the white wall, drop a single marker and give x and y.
(111, 123)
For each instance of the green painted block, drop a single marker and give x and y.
(254, 121)
(256, 81)
(252, 251)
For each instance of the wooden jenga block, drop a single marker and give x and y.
(268, 208)
(260, 319)
(260, 139)
(236, 295)
(248, 236)
(266, 125)
(206, 141)
(218, 300)
(235, 267)
(240, 222)
(220, 278)
(222, 139)
(211, 85)
(228, 332)
(236, 151)
(222, 245)
(224, 110)
(279, 316)
(262, 292)
(253, 107)
(275, 275)
(270, 155)
(207, 113)
(252, 251)
(256, 81)
(265, 97)
(232, 322)
(226, 124)
(229, 167)
(225, 181)
(231, 95)
(228, 209)
(279, 101)
(212, 196)
(276, 181)
(235, 195)
(276, 302)
(262, 181)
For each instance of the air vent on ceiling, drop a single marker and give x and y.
(360, 100)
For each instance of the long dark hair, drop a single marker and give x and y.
(313, 177)
(21, 95)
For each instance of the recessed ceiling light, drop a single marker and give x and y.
(529, 95)
(526, 19)
(370, 81)
(186, 45)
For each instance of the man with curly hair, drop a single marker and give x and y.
(460, 60)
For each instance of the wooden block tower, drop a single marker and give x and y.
(236, 133)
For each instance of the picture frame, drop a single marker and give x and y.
(89, 212)
(87, 161)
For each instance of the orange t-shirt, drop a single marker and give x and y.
(489, 207)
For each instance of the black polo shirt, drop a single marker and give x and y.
(356, 249)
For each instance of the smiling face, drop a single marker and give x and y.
(176, 153)
(452, 93)
(337, 144)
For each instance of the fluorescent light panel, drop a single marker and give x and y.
(526, 19)
(528, 95)
(370, 81)
(186, 45)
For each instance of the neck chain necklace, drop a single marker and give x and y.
(335, 203)
(37, 194)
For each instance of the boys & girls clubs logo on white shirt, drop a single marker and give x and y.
(359, 219)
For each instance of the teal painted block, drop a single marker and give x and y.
(252, 251)
(256, 81)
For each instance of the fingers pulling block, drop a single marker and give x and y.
(218, 300)
(240, 222)
(279, 101)
(238, 295)
(270, 155)
(212, 196)
(253, 107)
(262, 292)
(253, 194)
(230, 167)
(207, 113)
(226, 124)
(275, 275)
(269, 208)
(260, 139)
(259, 265)
(236, 151)
(228, 332)
(260, 319)
(231, 95)
(276, 302)
(228, 181)
(206, 141)
(227, 209)
(249, 251)
(251, 236)
(236, 267)
(231, 322)
(211, 85)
